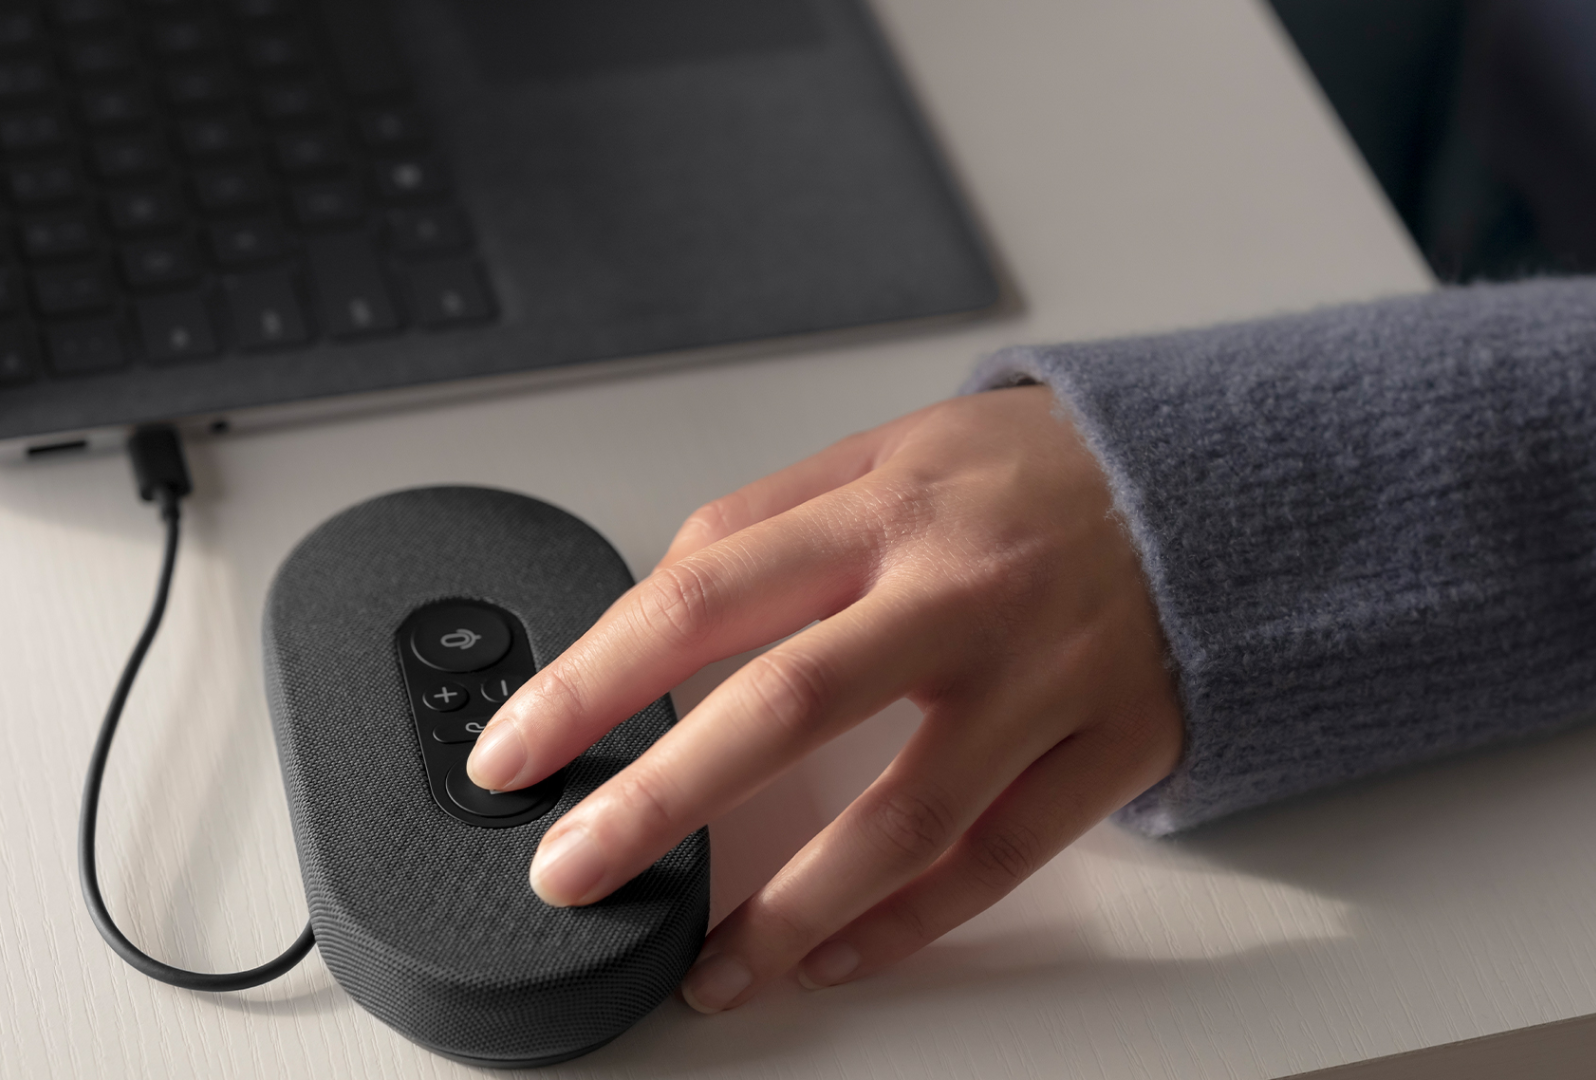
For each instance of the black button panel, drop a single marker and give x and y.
(454, 637)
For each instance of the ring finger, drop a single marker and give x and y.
(962, 757)
(1074, 785)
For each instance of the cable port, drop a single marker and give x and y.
(51, 449)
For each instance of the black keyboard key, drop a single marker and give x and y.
(130, 157)
(176, 327)
(27, 132)
(310, 151)
(100, 58)
(231, 188)
(113, 106)
(65, 237)
(182, 38)
(195, 88)
(365, 50)
(45, 183)
(271, 53)
(155, 263)
(346, 281)
(23, 79)
(291, 102)
(236, 243)
(264, 309)
(406, 178)
(148, 210)
(81, 15)
(215, 136)
(334, 202)
(427, 230)
(382, 129)
(10, 290)
(71, 290)
(19, 355)
(83, 348)
(447, 292)
(253, 10)
(18, 30)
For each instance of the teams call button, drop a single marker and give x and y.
(460, 638)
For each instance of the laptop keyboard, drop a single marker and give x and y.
(185, 179)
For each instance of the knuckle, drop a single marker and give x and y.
(677, 603)
(1003, 858)
(713, 520)
(879, 517)
(901, 506)
(795, 687)
(559, 686)
(909, 827)
(781, 919)
(911, 920)
(645, 801)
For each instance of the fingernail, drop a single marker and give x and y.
(497, 759)
(828, 965)
(712, 983)
(567, 868)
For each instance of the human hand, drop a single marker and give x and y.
(965, 557)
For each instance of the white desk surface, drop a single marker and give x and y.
(1140, 164)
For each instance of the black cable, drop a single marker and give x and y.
(162, 478)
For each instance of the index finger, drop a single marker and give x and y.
(747, 590)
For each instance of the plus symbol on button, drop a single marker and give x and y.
(445, 695)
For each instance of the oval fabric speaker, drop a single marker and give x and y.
(389, 632)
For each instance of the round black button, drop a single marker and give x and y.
(497, 688)
(484, 803)
(445, 697)
(460, 638)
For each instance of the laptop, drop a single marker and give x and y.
(218, 211)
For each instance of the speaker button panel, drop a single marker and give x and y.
(461, 636)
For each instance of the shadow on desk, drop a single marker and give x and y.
(1469, 857)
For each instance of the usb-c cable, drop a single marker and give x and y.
(162, 476)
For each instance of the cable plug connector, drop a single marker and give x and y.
(159, 467)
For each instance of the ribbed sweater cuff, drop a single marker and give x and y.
(1368, 530)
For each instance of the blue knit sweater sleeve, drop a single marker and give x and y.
(1370, 531)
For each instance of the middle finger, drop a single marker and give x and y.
(750, 728)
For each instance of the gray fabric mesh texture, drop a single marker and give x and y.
(426, 921)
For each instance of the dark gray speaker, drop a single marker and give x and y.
(417, 887)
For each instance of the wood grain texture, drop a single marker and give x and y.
(1139, 164)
